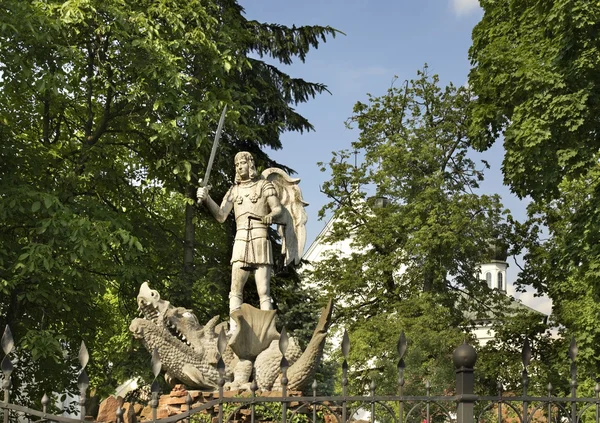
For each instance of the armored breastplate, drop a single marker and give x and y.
(249, 200)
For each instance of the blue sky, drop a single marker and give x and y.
(384, 39)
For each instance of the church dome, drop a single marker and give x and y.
(497, 250)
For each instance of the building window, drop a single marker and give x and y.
(488, 279)
(500, 281)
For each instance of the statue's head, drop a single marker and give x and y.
(247, 157)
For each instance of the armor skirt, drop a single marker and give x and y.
(252, 247)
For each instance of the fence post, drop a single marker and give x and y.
(464, 358)
(7, 342)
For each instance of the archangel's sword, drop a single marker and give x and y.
(204, 182)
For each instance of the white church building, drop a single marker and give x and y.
(492, 272)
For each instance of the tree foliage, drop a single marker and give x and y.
(536, 83)
(535, 77)
(107, 112)
(500, 360)
(412, 264)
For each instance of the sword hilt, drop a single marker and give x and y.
(260, 218)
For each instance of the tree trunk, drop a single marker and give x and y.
(189, 238)
(428, 280)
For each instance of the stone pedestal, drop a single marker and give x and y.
(175, 403)
(108, 410)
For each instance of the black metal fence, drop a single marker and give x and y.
(251, 408)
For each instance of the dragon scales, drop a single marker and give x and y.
(188, 351)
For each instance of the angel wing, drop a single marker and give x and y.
(293, 217)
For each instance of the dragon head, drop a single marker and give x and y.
(181, 323)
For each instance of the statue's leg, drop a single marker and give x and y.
(239, 277)
(263, 284)
(238, 280)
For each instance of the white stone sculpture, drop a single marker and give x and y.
(257, 202)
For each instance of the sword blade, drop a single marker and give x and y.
(214, 148)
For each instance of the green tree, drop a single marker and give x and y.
(415, 258)
(536, 81)
(500, 360)
(107, 112)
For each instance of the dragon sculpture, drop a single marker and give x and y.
(189, 355)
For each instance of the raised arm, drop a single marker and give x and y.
(219, 213)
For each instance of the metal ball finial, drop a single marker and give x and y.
(464, 356)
